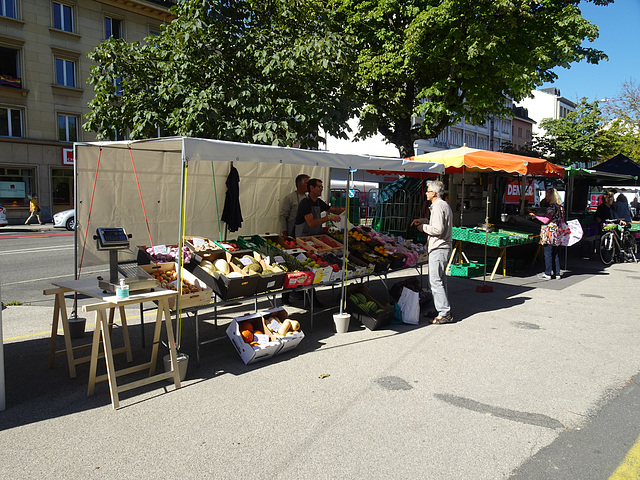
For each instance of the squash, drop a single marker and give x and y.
(246, 325)
(222, 266)
(284, 328)
(295, 325)
(247, 336)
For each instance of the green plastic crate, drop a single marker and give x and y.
(477, 236)
(460, 233)
(497, 240)
(467, 270)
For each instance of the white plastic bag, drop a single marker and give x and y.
(409, 304)
(574, 234)
(343, 219)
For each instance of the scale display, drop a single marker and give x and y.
(114, 238)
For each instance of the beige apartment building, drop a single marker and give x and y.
(44, 92)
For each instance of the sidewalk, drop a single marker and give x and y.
(470, 400)
(32, 227)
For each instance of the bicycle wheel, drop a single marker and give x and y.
(629, 245)
(607, 248)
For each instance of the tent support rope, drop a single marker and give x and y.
(86, 230)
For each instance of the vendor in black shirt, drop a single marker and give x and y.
(308, 220)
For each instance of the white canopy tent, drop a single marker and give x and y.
(171, 179)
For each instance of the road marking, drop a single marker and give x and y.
(13, 237)
(629, 469)
(36, 250)
(51, 278)
(60, 332)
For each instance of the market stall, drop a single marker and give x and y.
(463, 161)
(153, 186)
(168, 191)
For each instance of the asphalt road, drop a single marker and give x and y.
(531, 395)
(30, 260)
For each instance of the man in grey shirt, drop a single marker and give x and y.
(289, 205)
(439, 232)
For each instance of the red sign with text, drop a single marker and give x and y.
(67, 156)
(512, 195)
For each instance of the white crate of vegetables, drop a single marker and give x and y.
(262, 335)
(252, 344)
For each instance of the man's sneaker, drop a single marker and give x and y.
(544, 276)
(558, 276)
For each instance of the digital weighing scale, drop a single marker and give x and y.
(113, 239)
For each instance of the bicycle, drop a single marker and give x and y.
(617, 243)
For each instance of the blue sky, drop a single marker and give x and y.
(619, 25)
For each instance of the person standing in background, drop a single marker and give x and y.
(621, 209)
(34, 208)
(439, 232)
(287, 217)
(289, 206)
(551, 233)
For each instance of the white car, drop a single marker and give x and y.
(65, 219)
(3, 216)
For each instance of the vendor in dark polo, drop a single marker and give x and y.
(309, 220)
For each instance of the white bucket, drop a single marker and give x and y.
(183, 363)
(342, 322)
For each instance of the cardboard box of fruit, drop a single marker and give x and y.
(250, 340)
(277, 323)
(194, 291)
(322, 272)
(314, 245)
(220, 271)
(201, 245)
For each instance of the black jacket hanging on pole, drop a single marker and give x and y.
(231, 213)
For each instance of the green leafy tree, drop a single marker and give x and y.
(269, 72)
(582, 136)
(444, 60)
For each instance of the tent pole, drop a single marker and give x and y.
(462, 198)
(343, 291)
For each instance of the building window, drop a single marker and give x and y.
(16, 186)
(67, 128)
(112, 27)
(470, 140)
(455, 136)
(65, 72)
(10, 67)
(506, 126)
(519, 132)
(10, 122)
(527, 134)
(482, 142)
(62, 17)
(8, 8)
